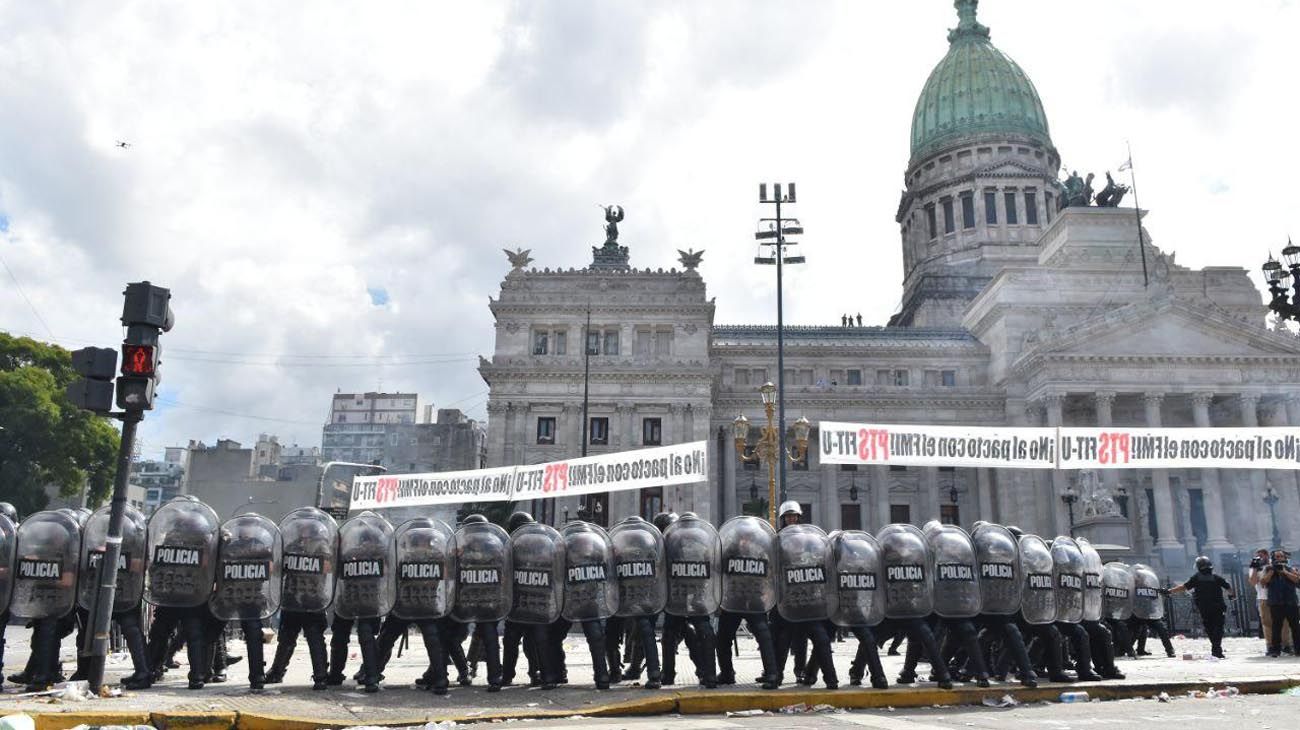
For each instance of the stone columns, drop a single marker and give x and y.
(984, 483)
(1167, 545)
(830, 497)
(730, 504)
(1104, 401)
(879, 496)
(1215, 521)
(929, 502)
(1285, 481)
(1035, 508)
(1055, 404)
(1258, 480)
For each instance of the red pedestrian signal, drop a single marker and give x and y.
(139, 360)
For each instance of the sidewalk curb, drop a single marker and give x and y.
(693, 702)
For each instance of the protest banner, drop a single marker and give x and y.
(660, 466)
(1179, 448)
(920, 445)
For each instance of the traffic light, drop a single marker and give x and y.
(146, 313)
(94, 391)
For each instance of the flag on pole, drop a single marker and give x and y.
(1128, 165)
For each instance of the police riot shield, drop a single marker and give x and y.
(183, 535)
(1092, 580)
(424, 550)
(483, 573)
(856, 556)
(366, 586)
(590, 590)
(694, 555)
(805, 591)
(310, 537)
(248, 569)
(1038, 599)
(998, 556)
(8, 545)
(639, 566)
(1147, 603)
(538, 573)
(1067, 579)
(954, 567)
(1117, 591)
(906, 560)
(748, 565)
(130, 562)
(45, 565)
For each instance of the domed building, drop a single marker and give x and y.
(1016, 312)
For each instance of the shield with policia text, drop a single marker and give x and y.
(130, 561)
(310, 540)
(183, 536)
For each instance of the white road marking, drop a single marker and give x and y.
(882, 722)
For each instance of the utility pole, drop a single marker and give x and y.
(774, 235)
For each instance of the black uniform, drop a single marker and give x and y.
(1207, 591)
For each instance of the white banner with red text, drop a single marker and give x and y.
(660, 466)
(1125, 447)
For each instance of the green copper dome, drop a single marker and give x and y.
(975, 89)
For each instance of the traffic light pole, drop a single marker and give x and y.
(101, 614)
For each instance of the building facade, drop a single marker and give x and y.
(357, 429)
(1015, 312)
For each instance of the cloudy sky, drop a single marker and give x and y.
(327, 188)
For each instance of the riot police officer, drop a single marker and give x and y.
(1148, 610)
(183, 535)
(307, 576)
(1100, 638)
(1037, 616)
(1001, 585)
(957, 598)
(860, 608)
(639, 566)
(426, 587)
(789, 513)
(483, 586)
(694, 592)
(538, 595)
(44, 589)
(804, 600)
(130, 586)
(1207, 591)
(1068, 587)
(590, 593)
(8, 544)
(365, 586)
(909, 598)
(248, 583)
(749, 565)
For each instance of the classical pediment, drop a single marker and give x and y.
(1172, 328)
(1008, 168)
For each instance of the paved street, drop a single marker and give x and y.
(399, 702)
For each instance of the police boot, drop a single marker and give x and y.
(338, 658)
(143, 677)
(218, 672)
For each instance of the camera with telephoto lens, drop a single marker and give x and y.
(1257, 563)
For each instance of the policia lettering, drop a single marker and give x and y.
(1024, 594)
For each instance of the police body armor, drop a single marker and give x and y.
(366, 586)
(1038, 599)
(183, 537)
(955, 569)
(538, 573)
(1092, 580)
(1147, 603)
(248, 569)
(483, 573)
(694, 553)
(749, 565)
(1067, 579)
(8, 546)
(45, 566)
(590, 589)
(805, 583)
(1000, 579)
(130, 562)
(1117, 591)
(857, 576)
(310, 538)
(906, 560)
(640, 567)
(425, 552)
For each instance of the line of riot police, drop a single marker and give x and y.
(986, 604)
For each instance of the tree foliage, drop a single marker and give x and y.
(45, 439)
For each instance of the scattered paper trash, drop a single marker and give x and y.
(19, 721)
(1162, 697)
(1004, 701)
(746, 713)
(794, 709)
(823, 707)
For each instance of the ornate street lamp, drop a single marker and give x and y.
(1286, 307)
(1069, 496)
(1271, 499)
(768, 449)
(853, 488)
(753, 489)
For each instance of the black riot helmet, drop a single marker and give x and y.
(1015, 531)
(664, 519)
(1204, 564)
(8, 510)
(475, 519)
(517, 520)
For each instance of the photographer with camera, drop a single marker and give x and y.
(1256, 571)
(1280, 580)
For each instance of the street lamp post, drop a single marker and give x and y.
(770, 447)
(774, 235)
(1276, 276)
(1271, 499)
(1069, 496)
